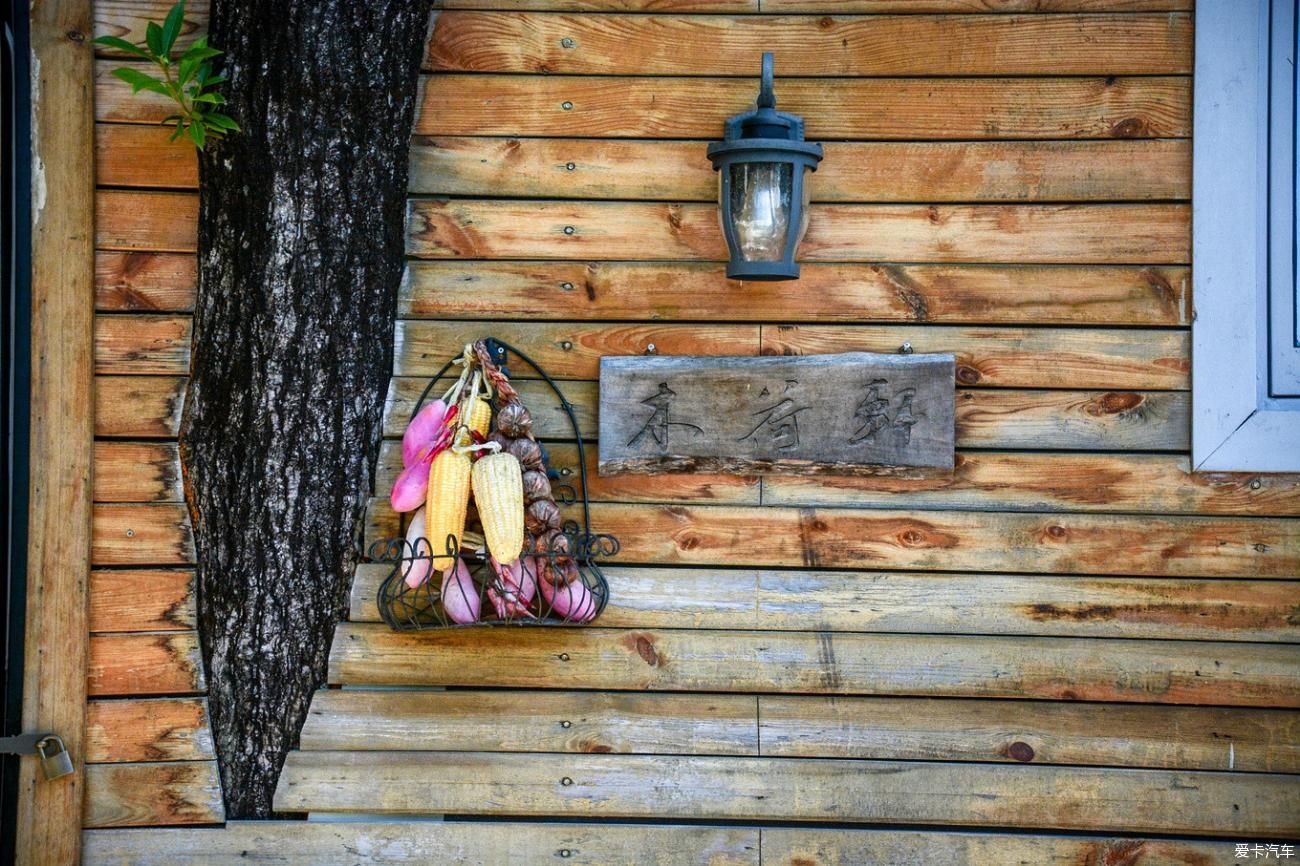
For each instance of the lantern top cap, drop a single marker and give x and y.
(765, 131)
(765, 121)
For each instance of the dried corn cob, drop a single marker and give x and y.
(478, 415)
(499, 492)
(444, 513)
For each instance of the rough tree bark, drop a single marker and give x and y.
(300, 256)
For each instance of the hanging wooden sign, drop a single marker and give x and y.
(849, 414)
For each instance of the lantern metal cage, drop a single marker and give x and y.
(762, 194)
(576, 597)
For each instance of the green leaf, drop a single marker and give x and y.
(176, 133)
(202, 53)
(187, 69)
(139, 81)
(172, 28)
(123, 45)
(211, 98)
(213, 81)
(153, 38)
(196, 133)
(221, 121)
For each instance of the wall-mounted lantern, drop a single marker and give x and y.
(762, 197)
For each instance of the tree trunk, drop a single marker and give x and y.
(300, 256)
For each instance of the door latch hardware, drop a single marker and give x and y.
(55, 760)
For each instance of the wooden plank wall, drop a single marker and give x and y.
(1073, 633)
(149, 748)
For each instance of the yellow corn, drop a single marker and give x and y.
(448, 499)
(480, 416)
(499, 492)
(476, 415)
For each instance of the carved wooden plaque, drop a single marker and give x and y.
(849, 414)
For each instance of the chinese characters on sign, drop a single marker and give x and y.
(846, 414)
(1262, 851)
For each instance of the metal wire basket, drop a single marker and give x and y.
(559, 585)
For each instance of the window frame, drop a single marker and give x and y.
(1237, 424)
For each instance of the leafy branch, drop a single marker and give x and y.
(187, 80)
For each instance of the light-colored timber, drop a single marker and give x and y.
(514, 843)
(142, 534)
(674, 291)
(131, 600)
(878, 171)
(145, 663)
(153, 794)
(132, 730)
(1029, 234)
(735, 788)
(583, 722)
(986, 417)
(145, 282)
(1137, 671)
(928, 603)
(523, 42)
(60, 414)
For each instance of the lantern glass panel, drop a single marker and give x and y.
(761, 194)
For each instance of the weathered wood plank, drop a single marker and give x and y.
(130, 600)
(852, 413)
(139, 406)
(1259, 547)
(523, 42)
(591, 722)
(999, 357)
(155, 729)
(1056, 481)
(144, 282)
(135, 534)
(419, 844)
(1012, 357)
(1060, 234)
(783, 847)
(968, 171)
(563, 457)
(137, 472)
(127, 19)
(986, 417)
(150, 221)
(830, 790)
(1130, 671)
(153, 794)
(926, 603)
(143, 156)
(46, 659)
(565, 350)
(827, 293)
(928, 729)
(862, 108)
(145, 664)
(150, 345)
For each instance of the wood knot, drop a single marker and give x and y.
(912, 538)
(967, 375)
(1056, 532)
(1022, 752)
(1114, 403)
(826, 22)
(1129, 127)
(646, 650)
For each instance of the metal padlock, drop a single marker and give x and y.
(57, 763)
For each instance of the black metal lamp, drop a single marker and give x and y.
(762, 198)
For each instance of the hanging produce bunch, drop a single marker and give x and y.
(486, 540)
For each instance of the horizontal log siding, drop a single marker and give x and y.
(1013, 188)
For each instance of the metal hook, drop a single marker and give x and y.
(766, 93)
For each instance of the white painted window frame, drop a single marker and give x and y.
(1237, 425)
